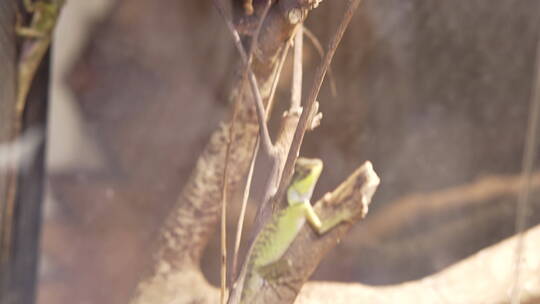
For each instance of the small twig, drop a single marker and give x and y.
(254, 42)
(523, 203)
(296, 88)
(255, 38)
(320, 50)
(275, 81)
(242, 216)
(223, 294)
(263, 129)
(319, 77)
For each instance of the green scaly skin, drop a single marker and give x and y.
(277, 235)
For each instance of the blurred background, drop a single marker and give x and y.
(435, 93)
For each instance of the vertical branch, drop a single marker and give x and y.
(296, 90)
(320, 50)
(531, 142)
(223, 295)
(259, 107)
(255, 39)
(242, 216)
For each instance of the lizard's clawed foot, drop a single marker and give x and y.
(248, 7)
(315, 117)
(28, 32)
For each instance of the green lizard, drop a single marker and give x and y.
(38, 36)
(276, 236)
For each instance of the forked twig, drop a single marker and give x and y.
(259, 107)
(320, 50)
(255, 39)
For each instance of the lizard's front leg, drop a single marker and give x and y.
(248, 7)
(28, 32)
(29, 6)
(320, 226)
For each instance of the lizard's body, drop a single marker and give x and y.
(278, 234)
(268, 247)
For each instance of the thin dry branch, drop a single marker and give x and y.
(255, 38)
(242, 215)
(296, 87)
(314, 92)
(320, 50)
(259, 106)
(223, 293)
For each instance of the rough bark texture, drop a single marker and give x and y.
(194, 218)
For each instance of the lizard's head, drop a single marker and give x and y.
(306, 174)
